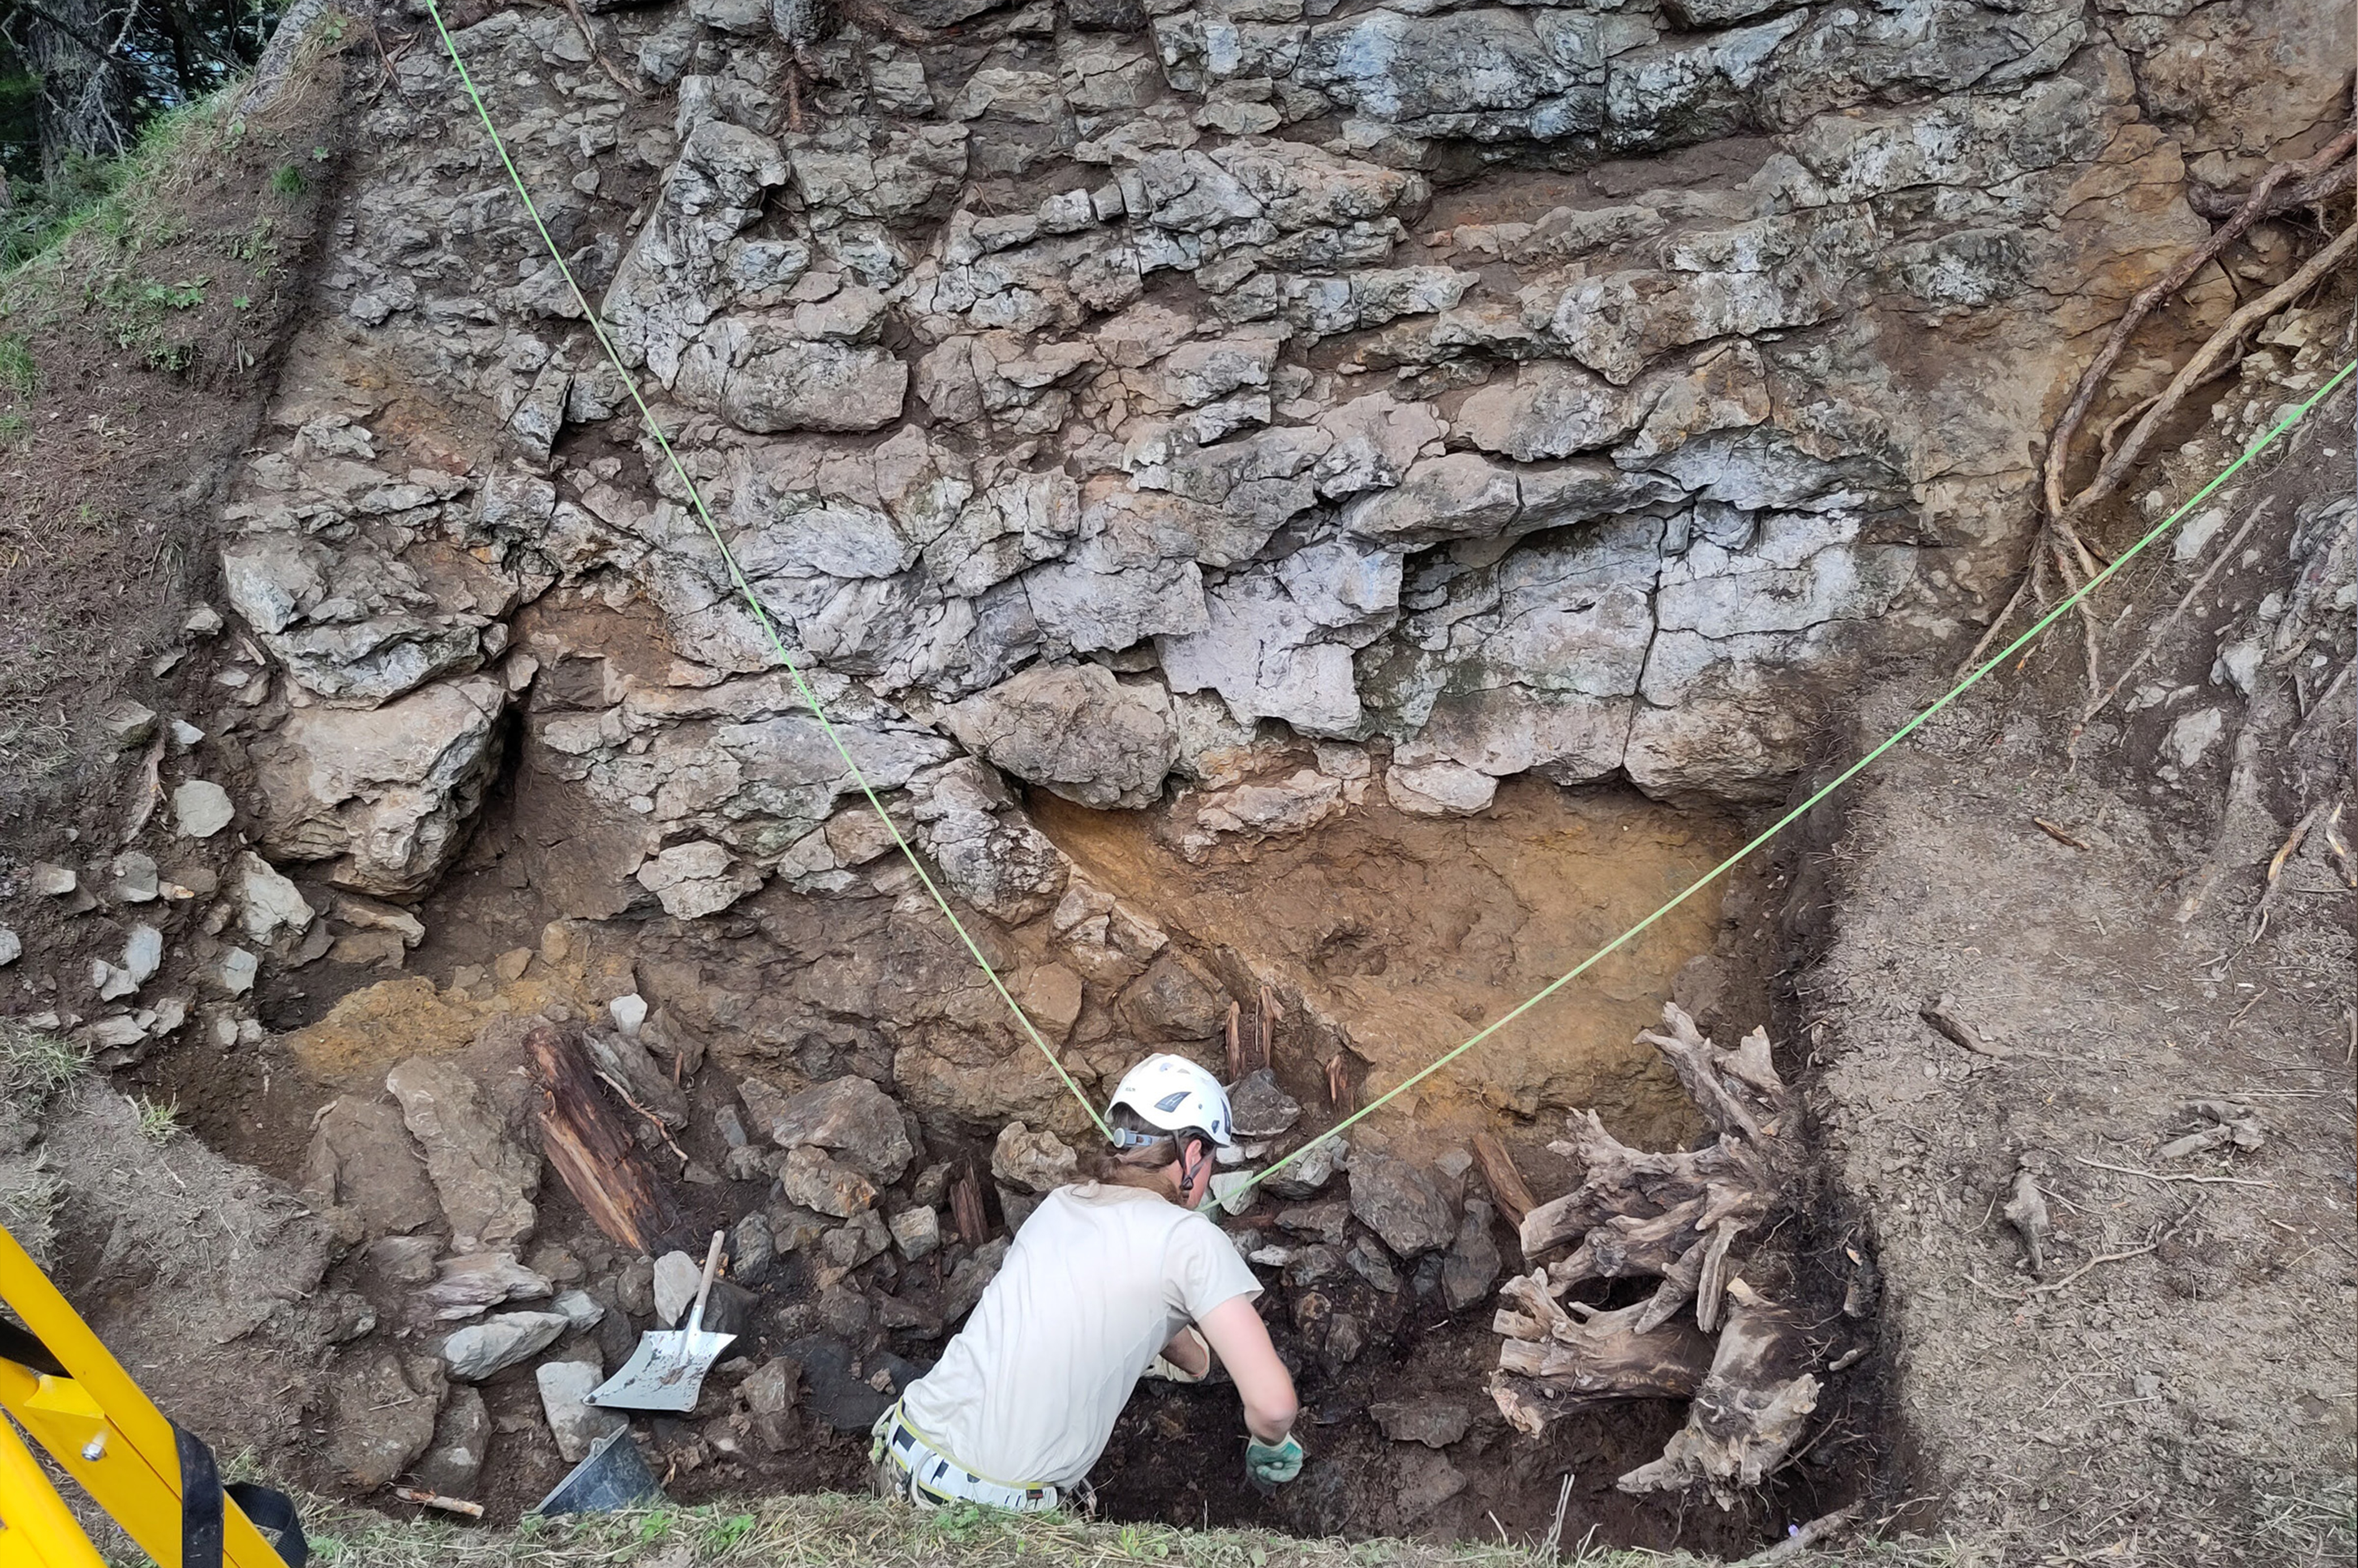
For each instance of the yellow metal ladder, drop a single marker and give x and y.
(64, 1388)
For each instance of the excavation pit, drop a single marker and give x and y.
(1380, 939)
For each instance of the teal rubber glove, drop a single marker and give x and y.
(1273, 1464)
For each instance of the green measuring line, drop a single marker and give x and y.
(1954, 692)
(810, 696)
(737, 575)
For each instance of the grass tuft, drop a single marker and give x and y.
(158, 1124)
(18, 374)
(35, 1064)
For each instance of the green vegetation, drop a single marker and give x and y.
(117, 199)
(835, 1532)
(18, 374)
(830, 1531)
(34, 1066)
(84, 78)
(287, 181)
(47, 211)
(158, 1124)
(98, 256)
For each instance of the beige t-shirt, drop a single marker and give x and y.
(1097, 1281)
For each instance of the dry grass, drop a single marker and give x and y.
(831, 1530)
(34, 1066)
(838, 1531)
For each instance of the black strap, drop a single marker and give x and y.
(201, 1502)
(22, 1345)
(201, 1514)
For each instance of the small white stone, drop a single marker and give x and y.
(202, 809)
(57, 881)
(269, 902)
(678, 1278)
(128, 723)
(112, 1033)
(143, 954)
(628, 1010)
(917, 1231)
(1234, 1189)
(185, 734)
(202, 622)
(11, 947)
(110, 981)
(235, 972)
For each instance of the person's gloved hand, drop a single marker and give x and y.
(1273, 1464)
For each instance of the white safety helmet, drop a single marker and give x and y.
(1174, 1094)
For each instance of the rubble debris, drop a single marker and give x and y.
(485, 1182)
(474, 1282)
(576, 1424)
(1401, 1204)
(811, 1178)
(381, 1415)
(1310, 1172)
(1036, 1163)
(1435, 1422)
(484, 1349)
(917, 1232)
(201, 810)
(1471, 1268)
(1262, 1109)
(2026, 1210)
(678, 1278)
(848, 1117)
(2216, 1124)
(752, 1250)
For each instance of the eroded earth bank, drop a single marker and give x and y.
(1312, 519)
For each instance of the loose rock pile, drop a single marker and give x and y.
(853, 1248)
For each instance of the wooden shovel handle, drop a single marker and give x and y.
(711, 1267)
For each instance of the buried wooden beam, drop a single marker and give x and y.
(1507, 1185)
(592, 1151)
(965, 1208)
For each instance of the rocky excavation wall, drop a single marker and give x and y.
(1110, 401)
(1266, 415)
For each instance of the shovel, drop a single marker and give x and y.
(666, 1371)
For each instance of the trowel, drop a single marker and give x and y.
(666, 1371)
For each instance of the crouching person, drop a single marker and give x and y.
(1108, 1281)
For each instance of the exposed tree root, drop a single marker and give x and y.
(2091, 380)
(2284, 188)
(1677, 1218)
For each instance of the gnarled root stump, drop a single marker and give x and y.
(1681, 1219)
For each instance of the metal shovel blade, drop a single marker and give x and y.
(665, 1373)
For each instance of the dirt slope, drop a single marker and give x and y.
(2174, 1384)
